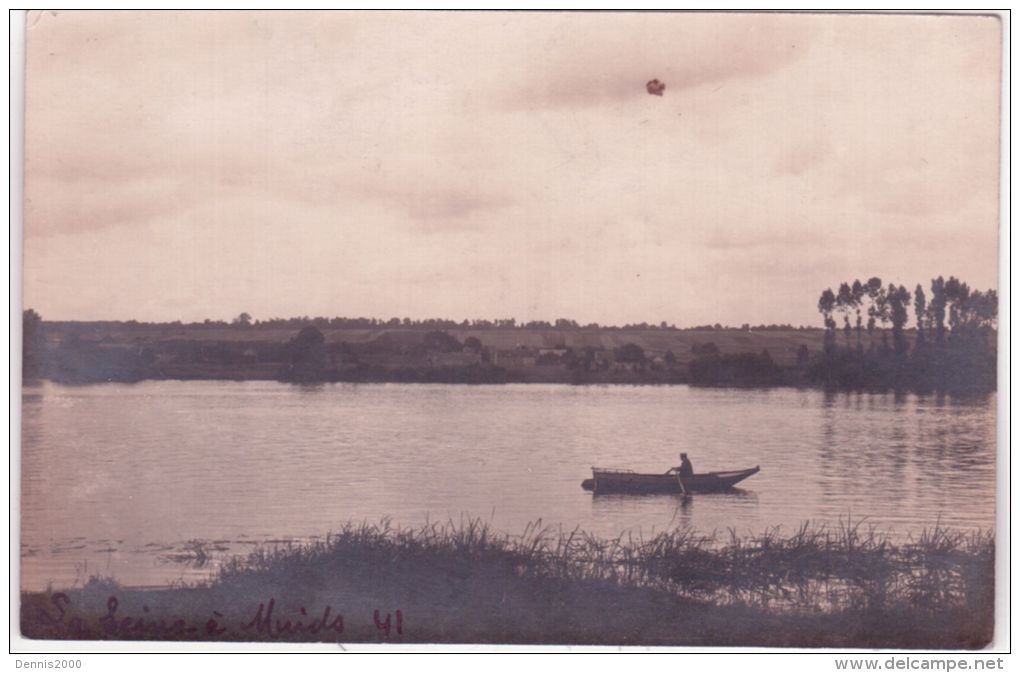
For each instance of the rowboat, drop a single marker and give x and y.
(626, 481)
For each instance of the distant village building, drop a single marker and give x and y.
(518, 357)
(558, 352)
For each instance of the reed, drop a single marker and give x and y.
(815, 568)
(463, 581)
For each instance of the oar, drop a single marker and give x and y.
(683, 489)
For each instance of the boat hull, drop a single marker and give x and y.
(634, 482)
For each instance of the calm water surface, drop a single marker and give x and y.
(129, 481)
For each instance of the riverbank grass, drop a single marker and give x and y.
(462, 582)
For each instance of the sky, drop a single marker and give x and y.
(192, 165)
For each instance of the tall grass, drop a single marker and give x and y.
(812, 568)
(814, 586)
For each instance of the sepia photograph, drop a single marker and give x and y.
(510, 328)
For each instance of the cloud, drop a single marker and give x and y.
(447, 205)
(592, 61)
(80, 206)
(496, 163)
(780, 240)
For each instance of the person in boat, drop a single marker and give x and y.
(685, 469)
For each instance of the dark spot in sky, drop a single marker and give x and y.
(655, 87)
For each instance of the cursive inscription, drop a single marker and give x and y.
(58, 619)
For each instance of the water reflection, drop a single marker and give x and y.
(167, 463)
(925, 453)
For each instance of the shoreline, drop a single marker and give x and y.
(80, 353)
(963, 392)
(457, 583)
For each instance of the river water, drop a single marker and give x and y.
(154, 482)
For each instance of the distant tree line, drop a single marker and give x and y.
(712, 367)
(246, 321)
(310, 360)
(483, 324)
(33, 345)
(953, 344)
(874, 336)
